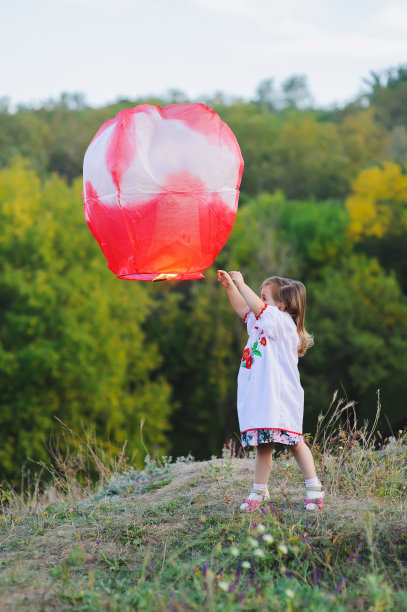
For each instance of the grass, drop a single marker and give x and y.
(171, 537)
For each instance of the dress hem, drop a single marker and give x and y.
(280, 428)
(254, 437)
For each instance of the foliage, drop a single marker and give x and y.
(378, 204)
(378, 216)
(71, 339)
(358, 316)
(387, 93)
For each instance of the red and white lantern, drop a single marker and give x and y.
(160, 190)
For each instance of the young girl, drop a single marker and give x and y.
(270, 399)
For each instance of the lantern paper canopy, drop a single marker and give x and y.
(160, 190)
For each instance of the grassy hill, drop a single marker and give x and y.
(171, 537)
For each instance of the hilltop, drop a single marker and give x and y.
(170, 537)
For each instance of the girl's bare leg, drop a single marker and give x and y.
(264, 462)
(303, 457)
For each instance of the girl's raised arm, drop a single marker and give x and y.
(239, 304)
(254, 303)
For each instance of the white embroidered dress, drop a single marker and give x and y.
(269, 393)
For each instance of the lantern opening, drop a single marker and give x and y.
(161, 277)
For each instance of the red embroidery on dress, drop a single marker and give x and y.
(245, 317)
(249, 362)
(263, 309)
(247, 357)
(256, 428)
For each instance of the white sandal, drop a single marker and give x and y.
(249, 505)
(314, 501)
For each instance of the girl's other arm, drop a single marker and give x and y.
(239, 304)
(253, 301)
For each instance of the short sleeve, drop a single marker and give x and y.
(250, 321)
(275, 322)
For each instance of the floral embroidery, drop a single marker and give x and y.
(257, 436)
(248, 353)
(249, 362)
(248, 356)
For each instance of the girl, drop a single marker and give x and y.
(270, 399)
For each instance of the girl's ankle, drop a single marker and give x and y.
(311, 482)
(259, 487)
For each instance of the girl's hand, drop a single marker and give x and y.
(237, 278)
(224, 278)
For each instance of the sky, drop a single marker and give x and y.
(110, 49)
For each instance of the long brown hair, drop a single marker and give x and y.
(292, 294)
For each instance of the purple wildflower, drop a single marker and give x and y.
(315, 574)
(151, 568)
(306, 537)
(338, 586)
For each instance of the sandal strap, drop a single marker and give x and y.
(252, 503)
(318, 502)
(315, 488)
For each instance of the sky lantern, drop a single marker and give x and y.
(160, 190)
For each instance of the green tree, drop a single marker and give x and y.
(296, 91)
(378, 216)
(358, 316)
(72, 343)
(387, 94)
